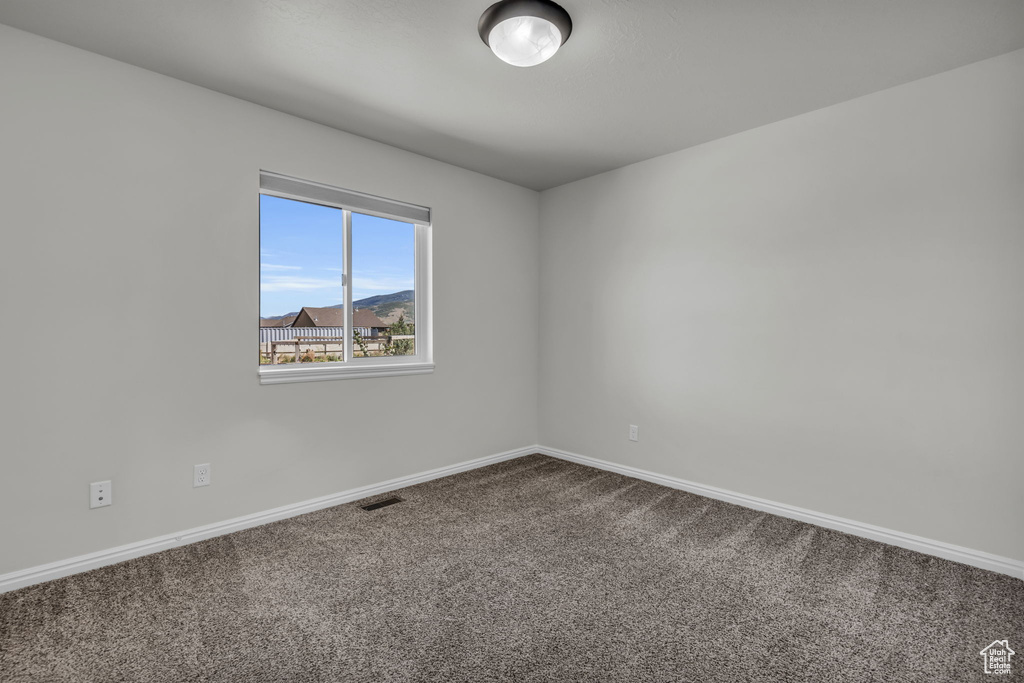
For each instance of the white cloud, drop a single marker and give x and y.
(293, 283)
(272, 266)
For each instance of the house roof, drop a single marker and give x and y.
(335, 317)
(364, 317)
(322, 317)
(279, 322)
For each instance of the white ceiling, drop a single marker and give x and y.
(637, 78)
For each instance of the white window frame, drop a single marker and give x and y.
(352, 368)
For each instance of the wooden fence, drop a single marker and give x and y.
(312, 343)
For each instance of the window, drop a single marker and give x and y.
(344, 283)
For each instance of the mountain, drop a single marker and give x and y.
(373, 301)
(387, 307)
(391, 311)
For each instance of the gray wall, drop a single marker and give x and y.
(832, 309)
(130, 195)
(824, 312)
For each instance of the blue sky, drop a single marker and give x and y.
(301, 256)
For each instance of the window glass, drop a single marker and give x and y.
(301, 294)
(383, 286)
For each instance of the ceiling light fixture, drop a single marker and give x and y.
(524, 32)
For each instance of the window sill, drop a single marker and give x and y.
(278, 374)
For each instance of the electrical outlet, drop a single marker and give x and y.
(201, 475)
(101, 494)
(634, 433)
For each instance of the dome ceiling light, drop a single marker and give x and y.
(525, 32)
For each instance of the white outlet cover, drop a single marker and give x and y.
(201, 475)
(634, 433)
(101, 494)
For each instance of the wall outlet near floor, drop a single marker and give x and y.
(634, 433)
(101, 494)
(201, 475)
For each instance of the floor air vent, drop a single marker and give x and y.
(382, 504)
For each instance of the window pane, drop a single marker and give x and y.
(301, 295)
(383, 287)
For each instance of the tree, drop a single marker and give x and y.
(400, 347)
(360, 342)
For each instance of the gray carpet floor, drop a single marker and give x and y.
(533, 569)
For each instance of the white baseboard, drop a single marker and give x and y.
(974, 558)
(102, 558)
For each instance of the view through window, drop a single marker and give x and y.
(303, 257)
